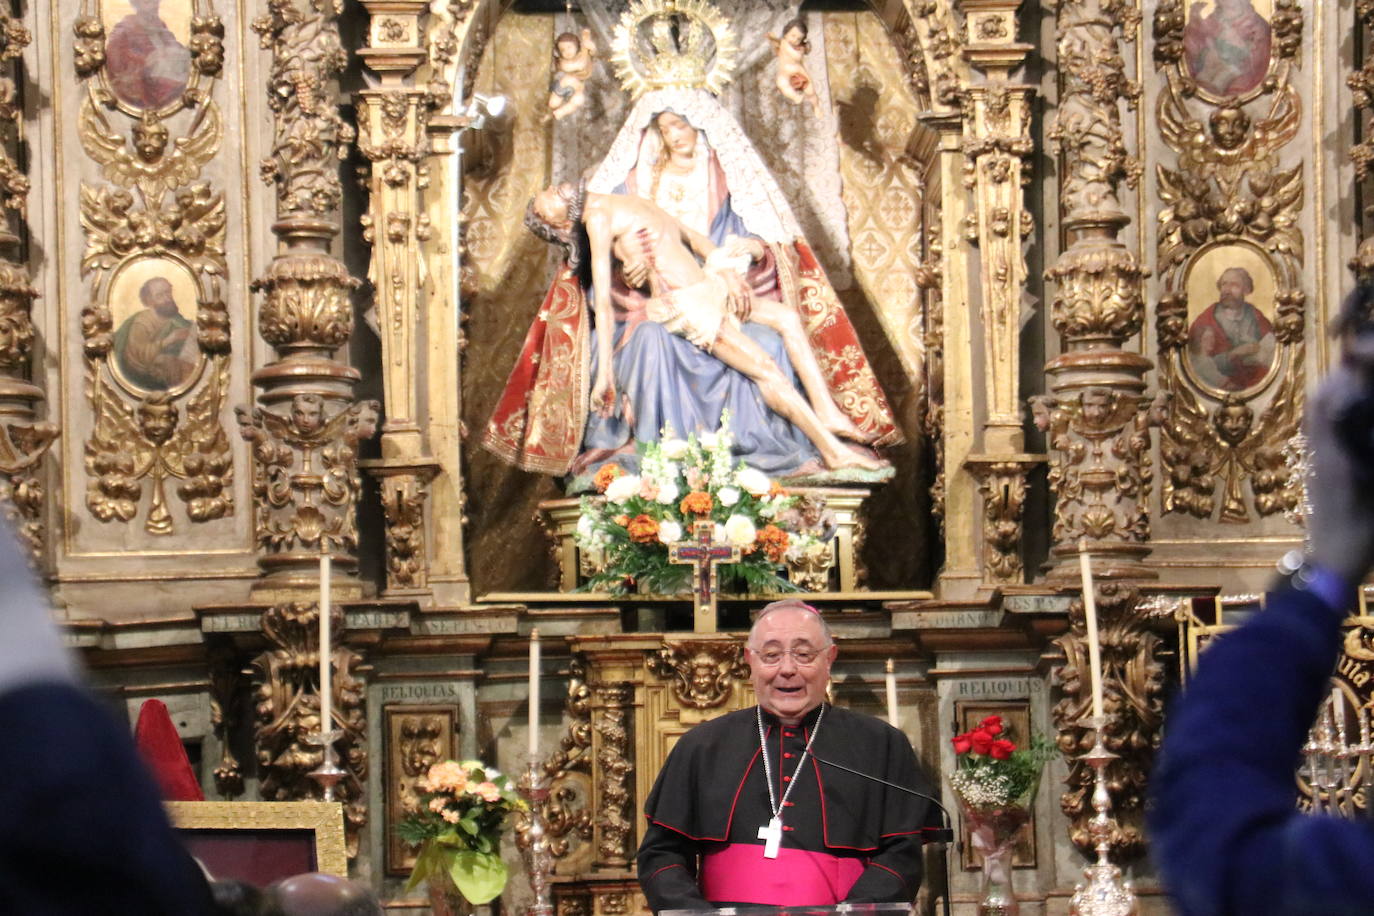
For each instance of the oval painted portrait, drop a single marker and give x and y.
(1227, 44)
(153, 303)
(147, 51)
(1231, 347)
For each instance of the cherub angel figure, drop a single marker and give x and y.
(573, 60)
(793, 81)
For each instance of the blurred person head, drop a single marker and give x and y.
(317, 894)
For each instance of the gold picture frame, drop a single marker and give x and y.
(324, 820)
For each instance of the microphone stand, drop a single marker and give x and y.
(941, 838)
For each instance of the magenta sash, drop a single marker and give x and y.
(738, 873)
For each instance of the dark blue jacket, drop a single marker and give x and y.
(1223, 827)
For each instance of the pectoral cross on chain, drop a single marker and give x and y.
(772, 838)
(703, 554)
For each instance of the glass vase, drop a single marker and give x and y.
(993, 832)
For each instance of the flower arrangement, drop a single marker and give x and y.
(627, 529)
(991, 771)
(457, 825)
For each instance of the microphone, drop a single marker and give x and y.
(942, 837)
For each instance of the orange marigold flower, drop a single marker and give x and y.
(622, 520)
(774, 542)
(605, 475)
(643, 529)
(777, 489)
(696, 503)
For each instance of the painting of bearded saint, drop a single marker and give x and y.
(147, 66)
(155, 347)
(1228, 47)
(1231, 344)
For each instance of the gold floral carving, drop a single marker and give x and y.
(305, 473)
(567, 812)
(155, 219)
(614, 819)
(287, 710)
(702, 674)
(305, 478)
(1228, 192)
(1361, 84)
(1002, 485)
(1133, 701)
(403, 508)
(24, 439)
(225, 715)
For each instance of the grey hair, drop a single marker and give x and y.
(791, 604)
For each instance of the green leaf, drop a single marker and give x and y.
(432, 860)
(479, 877)
(468, 826)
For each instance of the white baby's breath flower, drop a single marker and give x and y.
(753, 481)
(622, 488)
(739, 531)
(584, 528)
(728, 496)
(669, 531)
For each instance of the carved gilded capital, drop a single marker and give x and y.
(305, 303)
(1002, 485)
(703, 674)
(1097, 293)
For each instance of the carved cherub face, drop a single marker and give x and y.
(703, 681)
(1233, 420)
(157, 420)
(1097, 407)
(1229, 127)
(307, 413)
(150, 139)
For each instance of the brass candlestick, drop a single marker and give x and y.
(328, 773)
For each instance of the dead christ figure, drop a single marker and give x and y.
(703, 304)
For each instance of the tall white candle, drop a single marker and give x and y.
(326, 644)
(1090, 617)
(891, 695)
(534, 693)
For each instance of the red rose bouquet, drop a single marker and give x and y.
(992, 770)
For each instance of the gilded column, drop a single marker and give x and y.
(24, 440)
(392, 121)
(1098, 420)
(996, 146)
(306, 431)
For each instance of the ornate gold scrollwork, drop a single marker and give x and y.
(23, 439)
(1133, 701)
(1230, 211)
(702, 674)
(305, 472)
(157, 381)
(614, 820)
(287, 709)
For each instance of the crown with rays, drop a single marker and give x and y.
(662, 44)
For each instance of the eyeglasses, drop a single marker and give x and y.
(802, 656)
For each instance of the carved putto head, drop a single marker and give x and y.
(1233, 420)
(150, 138)
(1229, 124)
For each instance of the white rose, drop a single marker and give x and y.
(668, 493)
(739, 531)
(622, 488)
(728, 496)
(584, 527)
(669, 532)
(675, 449)
(754, 481)
(718, 534)
(708, 440)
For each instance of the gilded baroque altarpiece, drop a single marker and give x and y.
(263, 274)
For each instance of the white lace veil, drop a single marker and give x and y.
(754, 194)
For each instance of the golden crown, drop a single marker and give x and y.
(662, 44)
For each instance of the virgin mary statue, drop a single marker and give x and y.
(682, 150)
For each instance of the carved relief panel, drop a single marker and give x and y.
(1232, 313)
(154, 325)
